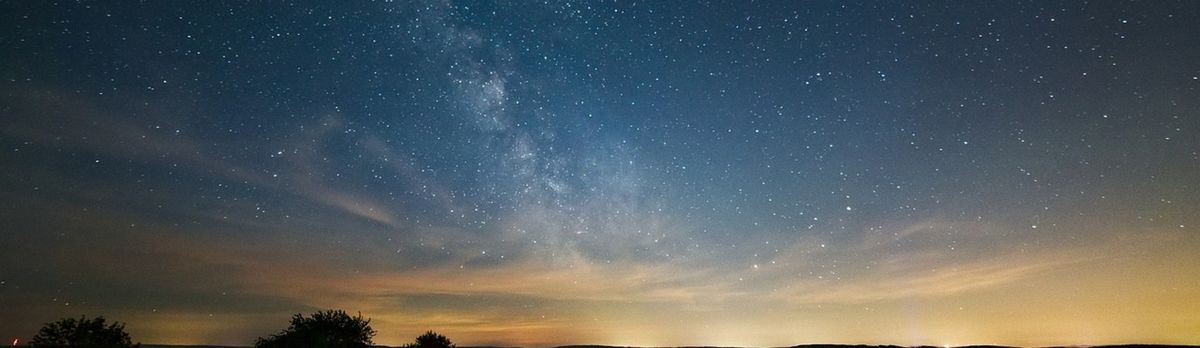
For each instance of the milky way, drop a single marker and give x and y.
(658, 173)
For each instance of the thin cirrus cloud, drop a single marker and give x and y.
(109, 131)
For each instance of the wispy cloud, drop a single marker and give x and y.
(164, 140)
(929, 259)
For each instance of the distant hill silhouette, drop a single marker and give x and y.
(209, 346)
(797, 346)
(249, 346)
(188, 346)
(1131, 346)
(863, 346)
(819, 345)
(897, 346)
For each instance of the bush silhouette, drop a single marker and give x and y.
(326, 329)
(68, 332)
(431, 340)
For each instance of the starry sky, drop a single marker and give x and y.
(629, 173)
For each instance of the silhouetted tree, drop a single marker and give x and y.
(431, 340)
(69, 332)
(326, 329)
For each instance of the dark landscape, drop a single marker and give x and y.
(796, 346)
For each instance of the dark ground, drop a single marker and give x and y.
(798, 346)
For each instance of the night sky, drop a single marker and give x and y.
(630, 173)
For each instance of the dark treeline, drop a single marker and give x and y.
(324, 329)
(337, 329)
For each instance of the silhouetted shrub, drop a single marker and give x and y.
(431, 340)
(69, 332)
(326, 329)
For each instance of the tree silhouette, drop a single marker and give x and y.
(325, 329)
(431, 340)
(68, 332)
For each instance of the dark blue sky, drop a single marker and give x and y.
(570, 172)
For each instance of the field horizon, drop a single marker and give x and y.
(1132, 345)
